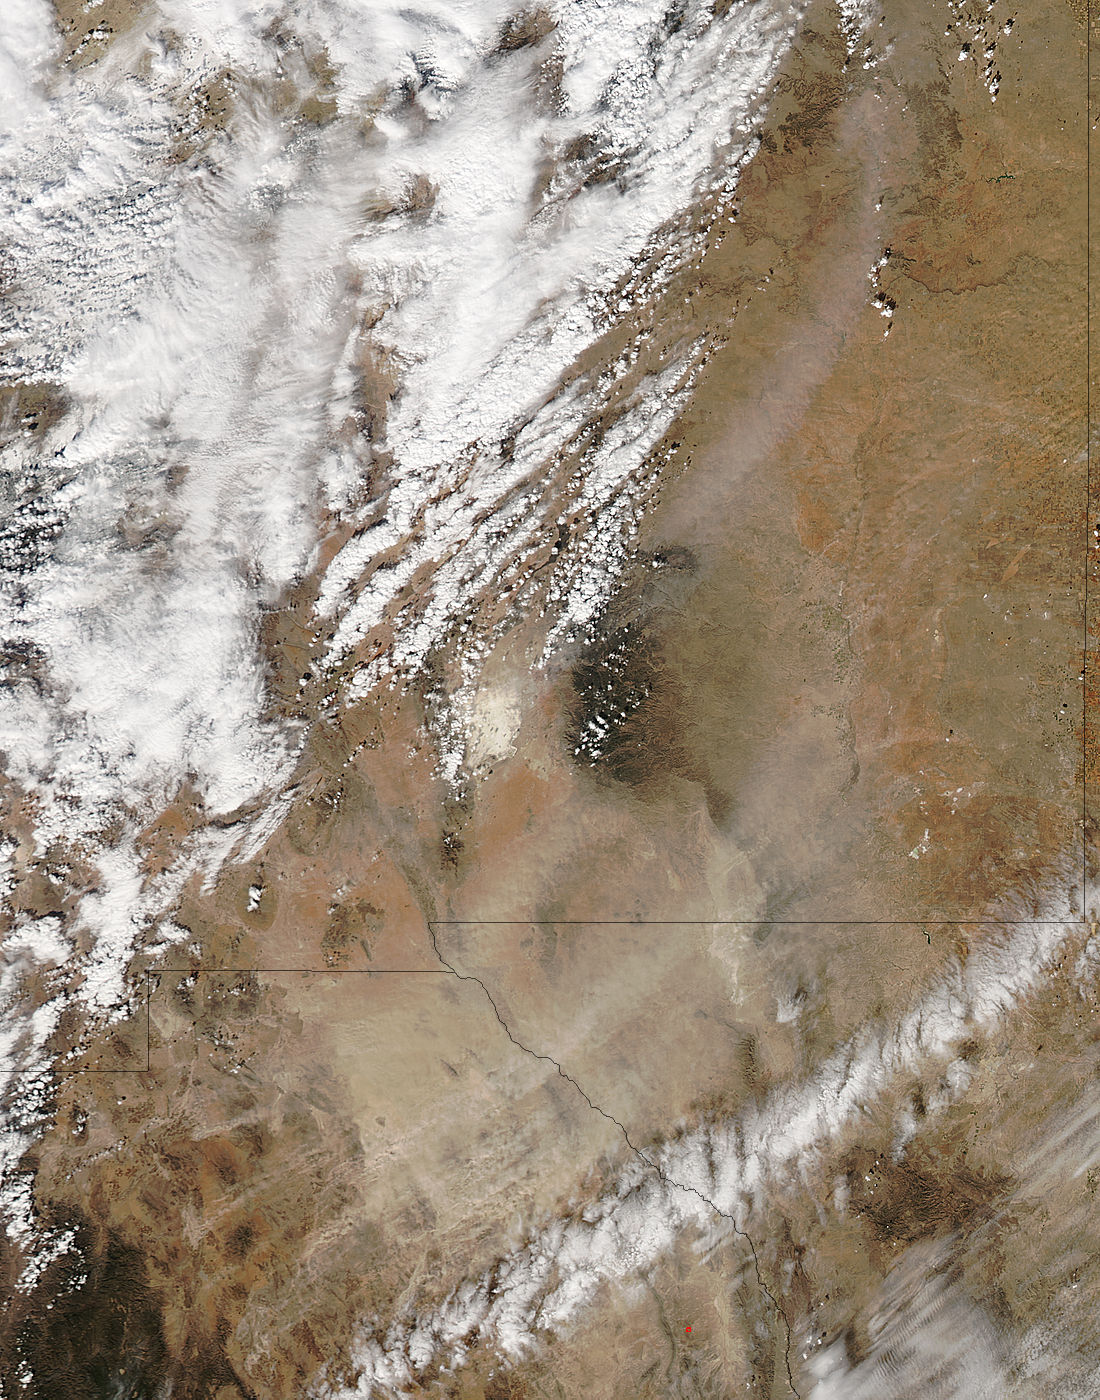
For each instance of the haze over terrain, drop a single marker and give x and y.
(548, 817)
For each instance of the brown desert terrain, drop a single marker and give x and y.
(815, 780)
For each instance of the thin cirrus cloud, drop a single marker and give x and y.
(195, 297)
(716, 1177)
(200, 312)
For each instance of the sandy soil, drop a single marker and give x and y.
(839, 711)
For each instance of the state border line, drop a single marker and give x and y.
(447, 969)
(147, 1068)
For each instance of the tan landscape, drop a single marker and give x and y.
(732, 1025)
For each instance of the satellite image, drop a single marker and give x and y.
(548, 684)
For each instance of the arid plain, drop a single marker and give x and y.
(789, 854)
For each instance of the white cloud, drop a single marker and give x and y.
(202, 320)
(718, 1171)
